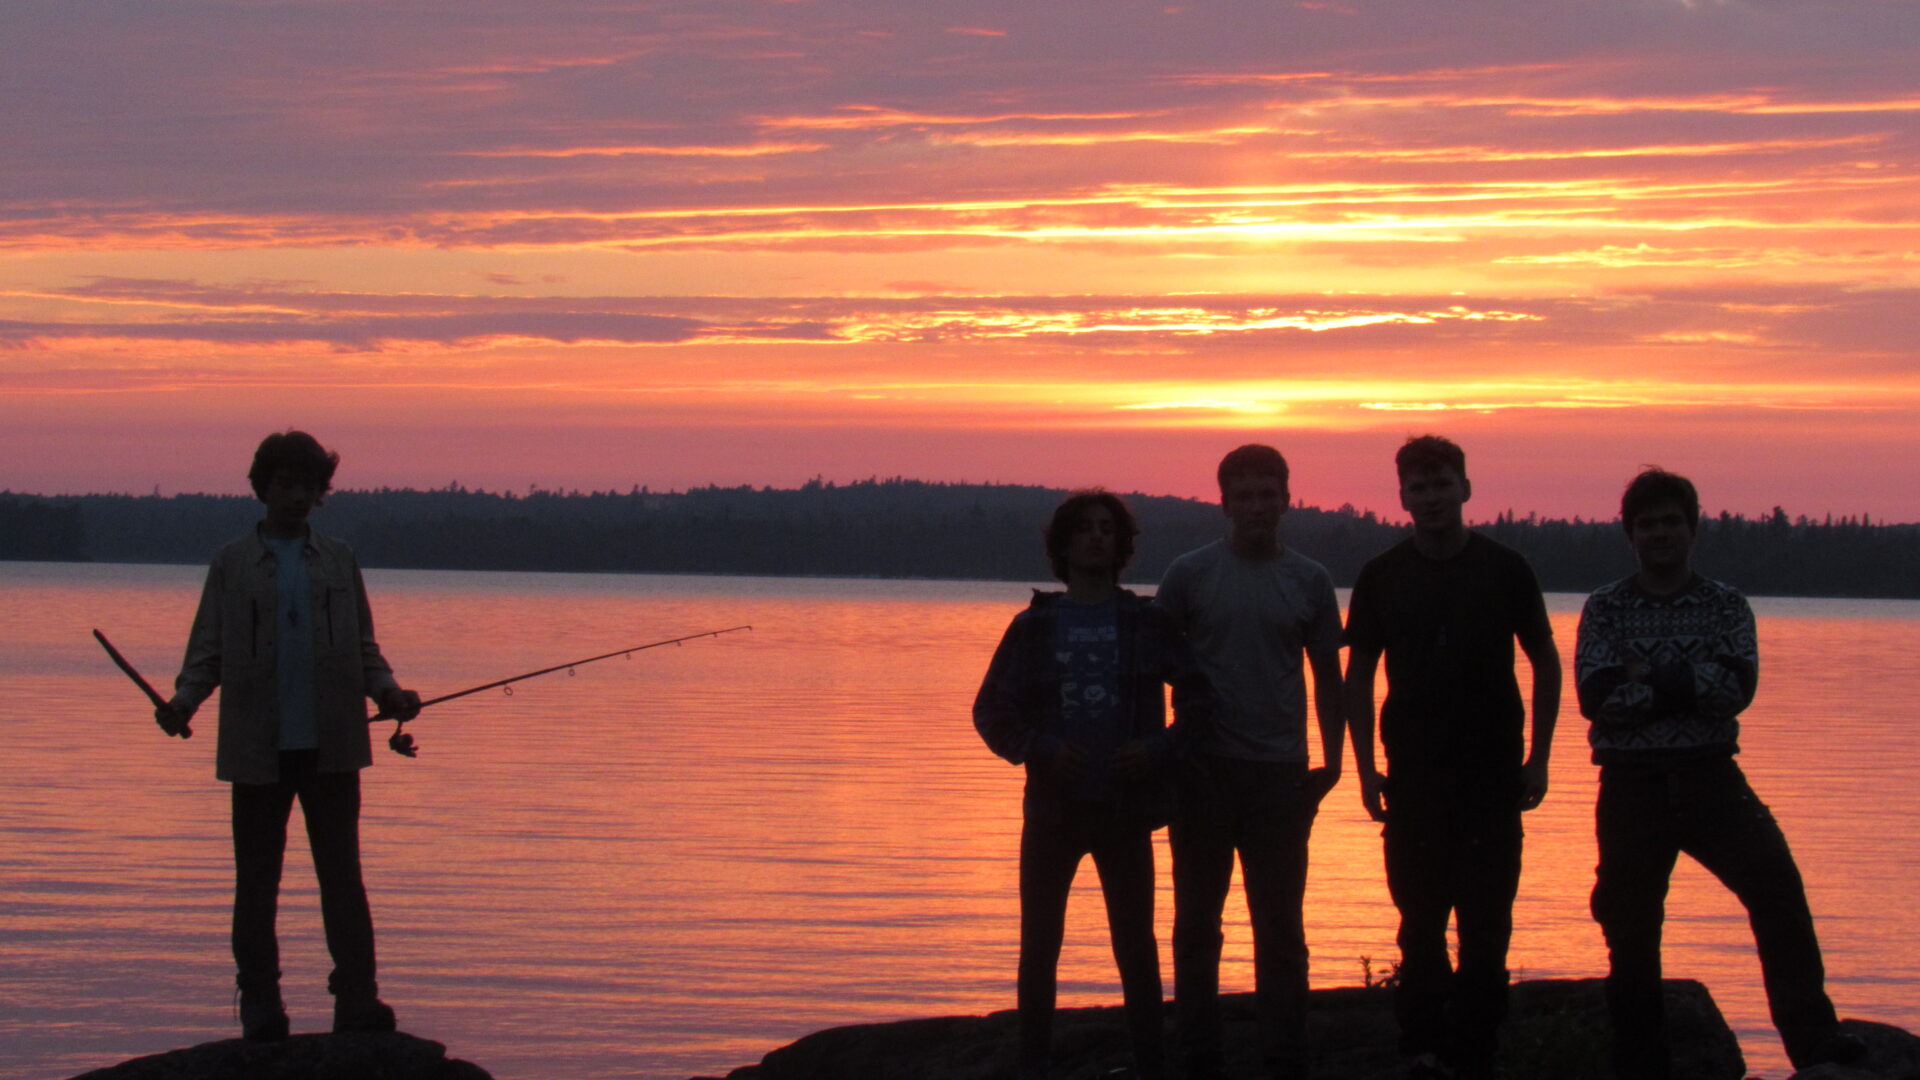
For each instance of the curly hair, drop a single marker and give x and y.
(297, 453)
(1066, 518)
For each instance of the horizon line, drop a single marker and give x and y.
(1510, 514)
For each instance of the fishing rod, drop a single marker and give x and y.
(402, 743)
(183, 730)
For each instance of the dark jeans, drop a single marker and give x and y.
(1056, 834)
(330, 802)
(1262, 810)
(1645, 819)
(1444, 864)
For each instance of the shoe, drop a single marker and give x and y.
(361, 1012)
(263, 1016)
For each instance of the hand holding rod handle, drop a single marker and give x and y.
(162, 708)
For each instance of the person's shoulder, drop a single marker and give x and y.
(1395, 555)
(1132, 605)
(1613, 594)
(329, 545)
(247, 546)
(1706, 590)
(1302, 566)
(1205, 555)
(1486, 547)
(1038, 613)
(1191, 564)
(1040, 604)
(1485, 551)
(1502, 559)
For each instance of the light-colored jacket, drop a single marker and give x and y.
(233, 648)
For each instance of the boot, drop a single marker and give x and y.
(361, 1011)
(263, 1016)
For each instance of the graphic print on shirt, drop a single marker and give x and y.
(1087, 648)
(1090, 657)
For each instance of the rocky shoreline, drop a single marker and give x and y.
(1557, 1030)
(383, 1056)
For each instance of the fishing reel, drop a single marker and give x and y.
(401, 741)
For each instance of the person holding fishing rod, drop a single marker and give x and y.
(285, 634)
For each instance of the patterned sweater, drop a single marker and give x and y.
(1664, 678)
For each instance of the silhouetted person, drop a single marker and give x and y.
(1251, 607)
(1666, 662)
(1445, 606)
(285, 634)
(1074, 693)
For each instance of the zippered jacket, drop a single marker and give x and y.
(1017, 710)
(233, 648)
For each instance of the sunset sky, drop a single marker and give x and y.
(600, 244)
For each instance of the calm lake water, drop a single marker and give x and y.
(668, 865)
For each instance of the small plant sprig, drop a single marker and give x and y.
(1385, 980)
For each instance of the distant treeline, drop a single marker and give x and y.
(896, 528)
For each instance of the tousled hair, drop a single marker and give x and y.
(1424, 453)
(1066, 518)
(1656, 485)
(1253, 459)
(295, 452)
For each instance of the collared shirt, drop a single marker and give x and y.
(235, 648)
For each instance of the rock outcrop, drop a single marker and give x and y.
(1557, 1030)
(1892, 1054)
(392, 1056)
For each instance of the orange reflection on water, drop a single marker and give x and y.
(668, 865)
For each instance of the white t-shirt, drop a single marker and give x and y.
(1250, 623)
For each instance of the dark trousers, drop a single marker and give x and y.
(330, 802)
(1444, 865)
(1056, 834)
(1645, 819)
(1262, 810)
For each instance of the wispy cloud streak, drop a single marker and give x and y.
(1310, 217)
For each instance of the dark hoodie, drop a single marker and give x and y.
(1017, 710)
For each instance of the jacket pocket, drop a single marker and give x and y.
(337, 614)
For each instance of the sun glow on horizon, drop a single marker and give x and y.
(785, 231)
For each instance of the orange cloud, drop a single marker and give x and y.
(861, 117)
(643, 150)
(1588, 228)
